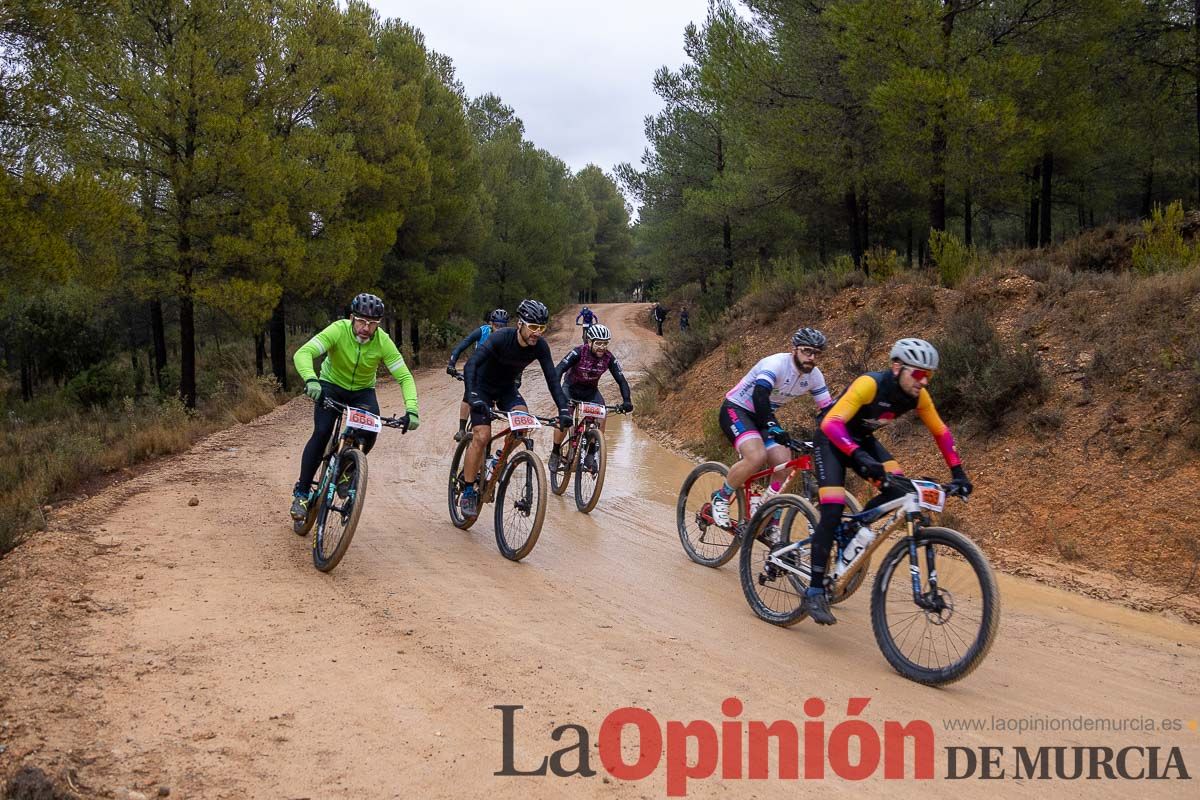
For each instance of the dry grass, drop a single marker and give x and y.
(51, 448)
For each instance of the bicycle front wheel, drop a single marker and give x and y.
(520, 505)
(703, 539)
(775, 565)
(454, 489)
(944, 633)
(338, 515)
(589, 470)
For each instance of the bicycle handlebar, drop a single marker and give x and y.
(613, 409)
(400, 423)
(906, 483)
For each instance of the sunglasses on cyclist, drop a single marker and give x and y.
(367, 320)
(810, 352)
(920, 374)
(599, 344)
(534, 328)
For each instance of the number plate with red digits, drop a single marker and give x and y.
(363, 420)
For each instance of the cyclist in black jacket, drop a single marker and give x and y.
(492, 375)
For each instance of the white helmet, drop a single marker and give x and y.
(915, 353)
(597, 333)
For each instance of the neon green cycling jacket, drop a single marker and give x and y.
(352, 365)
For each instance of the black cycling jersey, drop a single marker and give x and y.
(496, 366)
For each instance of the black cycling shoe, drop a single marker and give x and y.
(817, 606)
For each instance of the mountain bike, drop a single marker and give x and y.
(709, 544)
(513, 477)
(934, 628)
(337, 502)
(584, 453)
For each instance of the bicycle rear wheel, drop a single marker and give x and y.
(947, 636)
(703, 540)
(338, 516)
(520, 505)
(454, 489)
(560, 478)
(588, 483)
(775, 566)
(303, 526)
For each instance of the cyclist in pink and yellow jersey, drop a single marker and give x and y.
(847, 439)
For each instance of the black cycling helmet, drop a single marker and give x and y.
(367, 305)
(533, 312)
(809, 337)
(498, 317)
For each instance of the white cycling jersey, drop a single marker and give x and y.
(787, 383)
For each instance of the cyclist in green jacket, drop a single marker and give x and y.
(353, 349)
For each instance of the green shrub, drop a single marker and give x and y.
(1162, 248)
(688, 347)
(714, 446)
(955, 261)
(981, 379)
(100, 385)
(881, 263)
(1100, 250)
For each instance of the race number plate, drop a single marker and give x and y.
(930, 495)
(592, 410)
(522, 421)
(363, 420)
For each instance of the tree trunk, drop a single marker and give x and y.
(1047, 176)
(1148, 193)
(968, 217)
(260, 353)
(187, 343)
(1196, 63)
(159, 333)
(822, 255)
(278, 328)
(1031, 227)
(414, 331)
(856, 250)
(26, 377)
(937, 180)
(908, 251)
(865, 219)
(727, 247)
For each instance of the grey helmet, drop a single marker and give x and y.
(498, 317)
(915, 353)
(809, 337)
(533, 312)
(597, 333)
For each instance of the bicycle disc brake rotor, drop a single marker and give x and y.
(939, 607)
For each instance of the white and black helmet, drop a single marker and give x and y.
(915, 353)
(597, 333)
(809, 337)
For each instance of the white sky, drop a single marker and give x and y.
(577, 72)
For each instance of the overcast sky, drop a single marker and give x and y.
(577, 72)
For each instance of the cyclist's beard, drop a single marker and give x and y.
(801, 366)
(362, 339)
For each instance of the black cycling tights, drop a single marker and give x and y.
(323, 422)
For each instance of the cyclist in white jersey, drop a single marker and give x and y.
(748, 414)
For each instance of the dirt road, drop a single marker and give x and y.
(146, 642)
